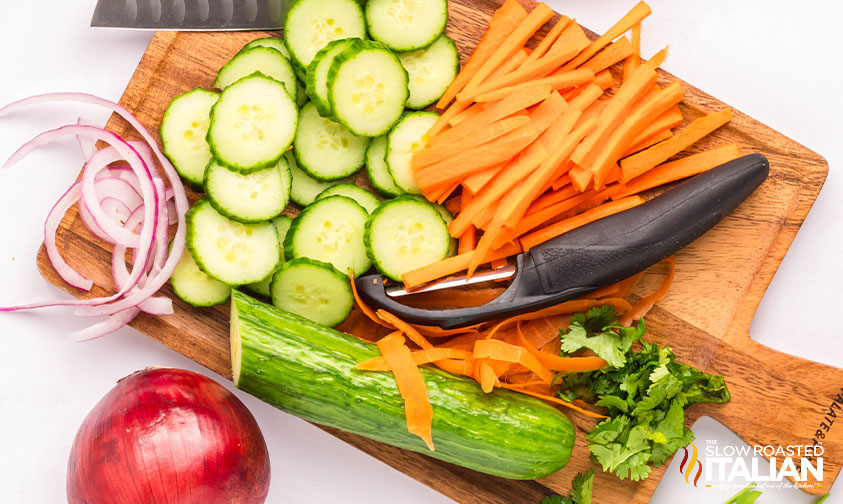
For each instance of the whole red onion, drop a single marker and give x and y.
(168, 436)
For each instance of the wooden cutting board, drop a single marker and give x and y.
(776, 399)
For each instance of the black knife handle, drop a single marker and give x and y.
(602, 252)
(619, 246)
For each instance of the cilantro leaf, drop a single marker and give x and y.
(556, 499)
(599, 332)
(582, 487)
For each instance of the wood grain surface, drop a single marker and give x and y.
(776, 399)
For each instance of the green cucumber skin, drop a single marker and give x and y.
(309, 370)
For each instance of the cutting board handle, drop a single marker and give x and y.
(802, 398)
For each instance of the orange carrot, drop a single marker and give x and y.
(561, 182)
(452, 265)
(632, 18)
(557, 362)
(556, 82)
(467, 240)
(506, 18)
(643, 306)
(614, 53)
(516, 39)
(502, 351)
(634, 59)
(568, 307)
(477, 181)
(465, 114)
(512, 63)
(637, 164)
(670, 119)
(548, 40)
(432, 154)
(554, 400)
(491, 153)
(410, 331)
(532, 187)
(444, 120)
(441, 198)
(623, 136)
(363, 306)
(411, 386)
(542, 235)
(571, 42)
(494, 112)
(499, 263)
(485, 375)
(537, 218)
(551, 198)
(681, 168)
(514, 172)
(420, 358)
(648, 142)
(438, 332)
(618, 106)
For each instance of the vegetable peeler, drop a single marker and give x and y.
(592, 256)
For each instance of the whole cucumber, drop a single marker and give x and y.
(309, 370)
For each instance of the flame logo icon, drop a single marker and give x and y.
(686, 467)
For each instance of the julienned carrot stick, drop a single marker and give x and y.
(512, 63)
(618, 106)
(506, 18)
(444, 195)
(542, 235)
(408, 330)
(532, 186)
(616, 52)
(501, 351)
(551, 198)
(444, 120)
(587, 97)
(432, 154)
(571, 42)
(452, 265)
(632, 18)
(564, 180)
(467, 240)
(646, 160)
(648, 142)
(681, 168)
(623, 136)
(540, 15)
(491, 153)
(548, 40)
(493, 112)
(488, 198)
(477, 181)
(465, 114)
(670, 119)
(411, 386)
(542, 216)
(561, 81)
(634, 59)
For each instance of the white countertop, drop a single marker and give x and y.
(777, 61)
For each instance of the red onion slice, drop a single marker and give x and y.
(64, 270)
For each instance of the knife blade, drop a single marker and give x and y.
(191, 15)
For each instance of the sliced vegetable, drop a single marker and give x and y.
(312, 24)
(282, 225)
(405, 139)
(378, 171)
(265, 60)
(430, 71)
(363, 197)
(194, 286)
(317, 74)
(312, 289)
(183, 130)
(406, 26)
(253, 197)
(325, 149)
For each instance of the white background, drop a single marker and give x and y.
(777, 61)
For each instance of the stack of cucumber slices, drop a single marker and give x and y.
(295, 120)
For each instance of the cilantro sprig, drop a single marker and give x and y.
(581, 490)
(646, 393)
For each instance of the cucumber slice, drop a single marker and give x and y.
(265, 60)
(367, 88)
(405, 139)
(282, 225)
(326, 150)
(448, 218)
(330, 230)
(231, 252)
(314, 290)
(363, 197)
(183, 130)
(317, 74)
(276, 43)
(431, 71)
(252, 124)
(251, 197)
(406, 25)
(311, 24)
(377, 170)
(195, 287)
(305, 188)
(404, 234)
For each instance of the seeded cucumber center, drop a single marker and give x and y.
(332, 136)
(335, 234)
(402, 12)
(251, 121)
(369, 93)
(311, 296)
(231, 242)
(325, 29)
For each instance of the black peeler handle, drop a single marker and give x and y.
(603, 252)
